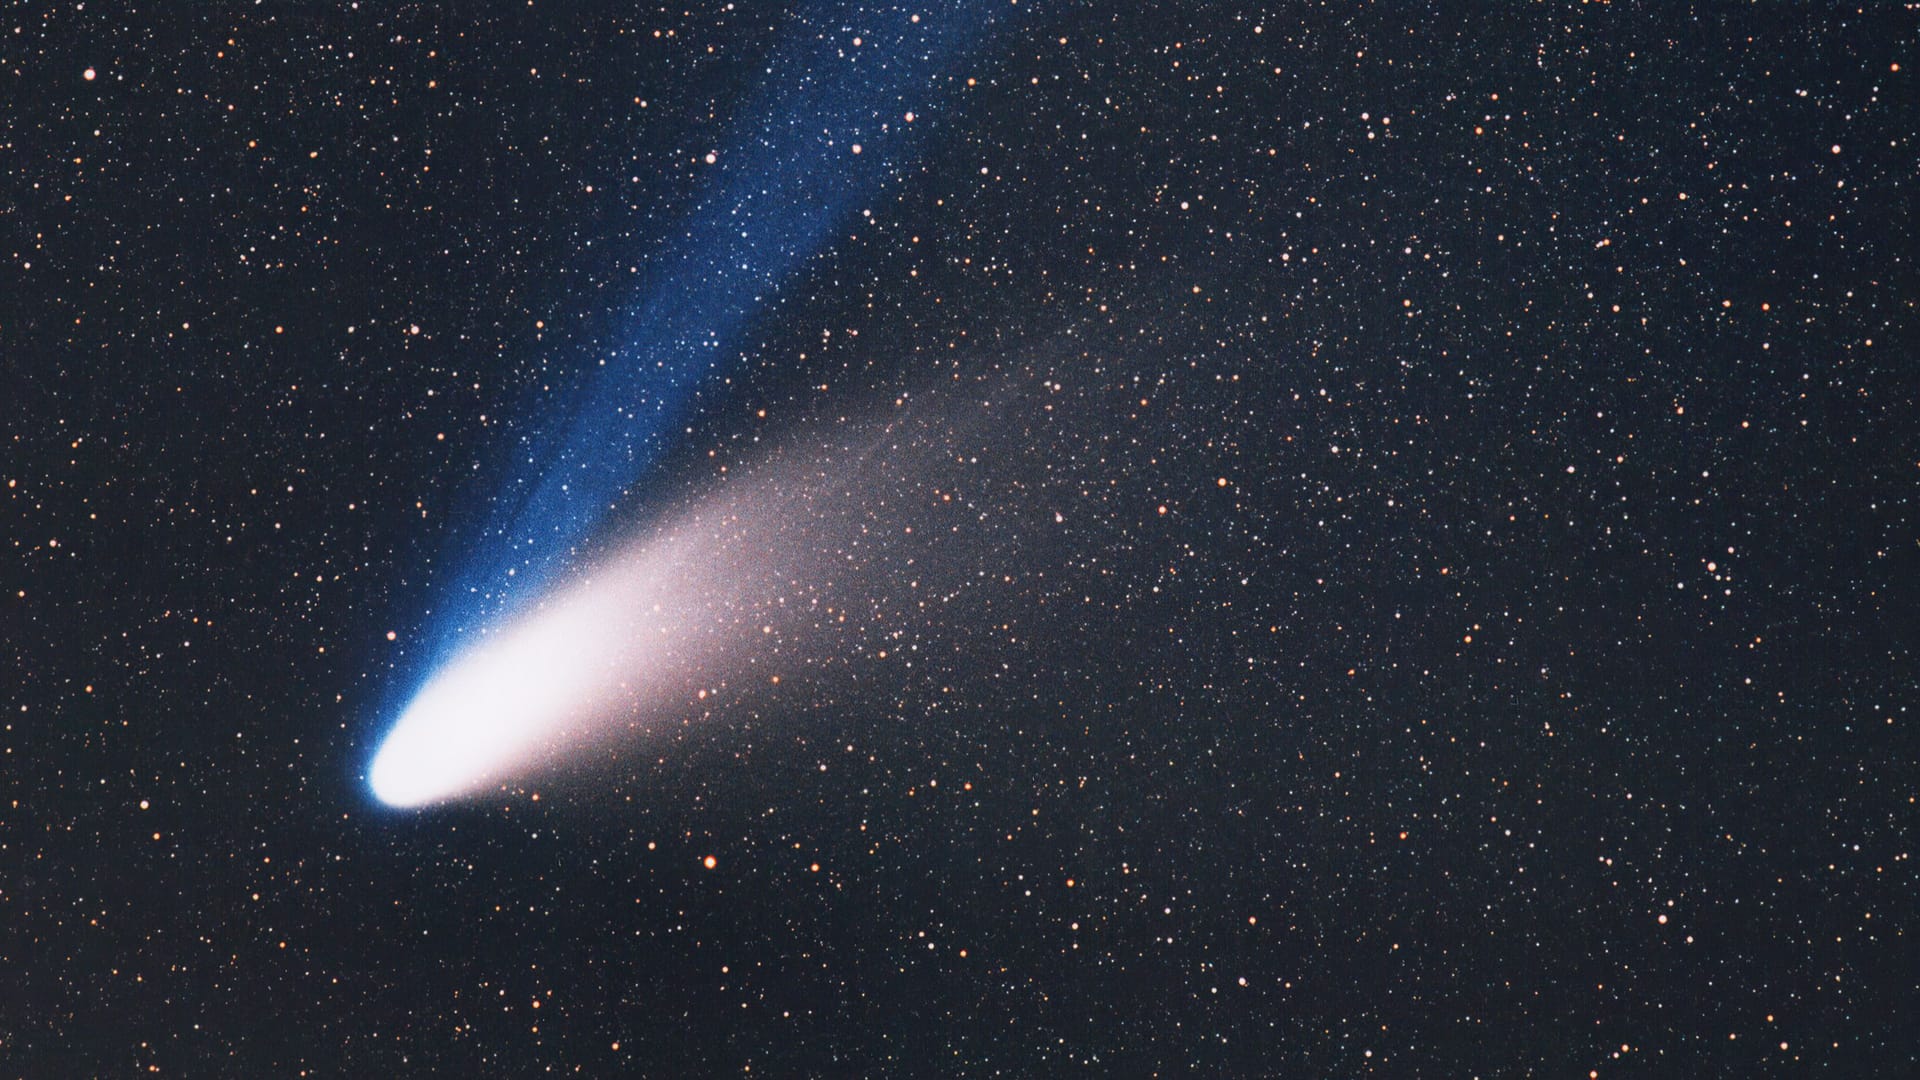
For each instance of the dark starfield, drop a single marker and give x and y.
(1315, 540)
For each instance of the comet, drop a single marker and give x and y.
(543, 652)
(828, 550)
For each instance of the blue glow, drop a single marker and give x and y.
(780, 188)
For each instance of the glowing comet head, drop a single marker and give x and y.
(627, 638)
(487, 711)
(477, 717)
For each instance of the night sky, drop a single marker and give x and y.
(1318, 540)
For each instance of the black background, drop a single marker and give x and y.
(1492, 450)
